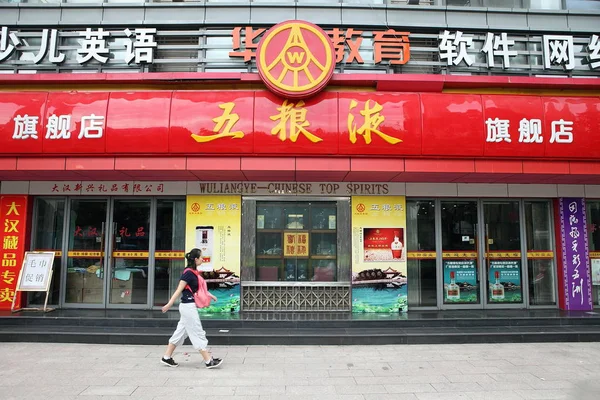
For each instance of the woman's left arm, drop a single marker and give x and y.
(176, 295)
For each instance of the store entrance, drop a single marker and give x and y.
(481, 254)
(108, 253)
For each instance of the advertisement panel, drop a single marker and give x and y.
(213, 224)
(13, 210)
(575, 271)
(504, 279)
(379, 270)
(460, 282)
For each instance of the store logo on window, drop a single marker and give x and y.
(295, 59)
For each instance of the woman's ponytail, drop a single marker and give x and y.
(191, 257)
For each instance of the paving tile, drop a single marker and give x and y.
(410, 388)
(395, 396)
(260, 390)
(442, 396)
(361, 389)
(466, 378)
(109, 390)
(503, 395)
(548, 395)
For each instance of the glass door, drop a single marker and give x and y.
(86, 252)
(460, 255)
(48, 232)
(130, 252)
(502, 254)
(540, 253)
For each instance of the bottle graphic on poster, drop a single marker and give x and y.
(204, 241)
(396, 246)
(497, 288)
(453, 290)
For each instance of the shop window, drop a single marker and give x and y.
(48, 236)
(296, 241)
(420, 221)
(170, 242)
(593, 222)
(583, 4)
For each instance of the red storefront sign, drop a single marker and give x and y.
(332, 123)
(13, 211)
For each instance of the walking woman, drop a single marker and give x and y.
(189, 320)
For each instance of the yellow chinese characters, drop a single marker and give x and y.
(10, 243)
(223, 125)
(6, 295)
(372, 120)
(294, 115)
(8, 277)
(12, 209)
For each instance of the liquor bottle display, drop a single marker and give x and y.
(453, 290)
(396, 246)
(497, 288)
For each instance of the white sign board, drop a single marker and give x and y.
(37, 271)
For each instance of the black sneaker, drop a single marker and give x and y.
(170, 362)
(214, 363)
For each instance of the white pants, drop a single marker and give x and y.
(189, 326)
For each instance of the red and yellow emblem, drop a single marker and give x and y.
(295, 59)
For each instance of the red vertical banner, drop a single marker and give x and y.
(13, 211)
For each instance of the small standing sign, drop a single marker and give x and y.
(35, 276)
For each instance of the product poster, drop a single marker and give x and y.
(213, 224)
(460, 282)
(504, 279)
(379, 281)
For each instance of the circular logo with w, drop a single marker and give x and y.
(295, 59)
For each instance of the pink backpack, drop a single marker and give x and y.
(201, 297)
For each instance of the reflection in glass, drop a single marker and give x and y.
(503, 226)
(459, 222)
(85, 265)
(459, 240)
(540, 272)
(503, 234)
(131, 227)
(420, 221)
(170, 237)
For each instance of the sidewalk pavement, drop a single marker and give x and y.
(399, 372)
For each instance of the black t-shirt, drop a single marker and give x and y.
(190, 277)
